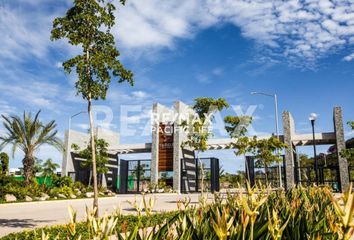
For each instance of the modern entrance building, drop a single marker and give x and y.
(177, 165)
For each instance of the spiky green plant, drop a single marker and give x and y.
(259, 213)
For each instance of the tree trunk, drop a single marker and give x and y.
(266, 173)
(93, 152)
(90, 178)
(28, 163)
(202, 173)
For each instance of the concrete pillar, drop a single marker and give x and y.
(340, 142)
(178, 138)
(155, 145)
(289, 132)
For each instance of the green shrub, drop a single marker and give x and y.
(80, 186)
(10, 185)
(65, 190)
(17, 187)
(63, 181)
(4, 180)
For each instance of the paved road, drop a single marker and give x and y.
(20, 216)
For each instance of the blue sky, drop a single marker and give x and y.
(180, 50)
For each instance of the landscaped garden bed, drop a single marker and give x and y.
(16, 190)
(301, 213)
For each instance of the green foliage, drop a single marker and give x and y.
(88, 24)
(29, 134)
(84, 229)
(101, 156)
(349, 153)
(4, 163)
(206, 106)
(198, 131)
(53, 185)
(63, 181)
(9, 185)
(265, 149)
(49, 168)
(37, 168)
(65, 190)
(259, 213)
(351, 124)
(228, 180)
(237, 126)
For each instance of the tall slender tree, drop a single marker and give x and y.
(101, 156)
(265, 150)
(87, 25)
(198, 131)
(29, 134)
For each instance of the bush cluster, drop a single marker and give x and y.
(58, 185)
(18, 188)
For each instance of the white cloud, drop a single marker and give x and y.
(349, 57)
(82, 126)
(297, 30)
(6, 108)
(218, 71)
(203, 78)
(139, 94)
(155, 23)
(39, 94)
(294, 29)
(209, 76)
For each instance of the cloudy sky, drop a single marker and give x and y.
(180, 50)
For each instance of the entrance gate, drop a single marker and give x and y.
(257, 173)
(135, 175)
(191, 174)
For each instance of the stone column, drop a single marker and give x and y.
(340, 142)
(289, 131)
(183, 112)
(155, 145)
(177, 150)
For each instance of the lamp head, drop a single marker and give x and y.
(313, 117)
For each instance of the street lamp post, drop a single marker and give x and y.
(276, 126)
(312, 118)
(67, 150)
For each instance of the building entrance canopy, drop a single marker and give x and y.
(166, 150)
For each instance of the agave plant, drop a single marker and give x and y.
(345, 213)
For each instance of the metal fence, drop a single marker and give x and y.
(327, 175)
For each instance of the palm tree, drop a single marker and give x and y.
(29, 134)
(49, 168)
